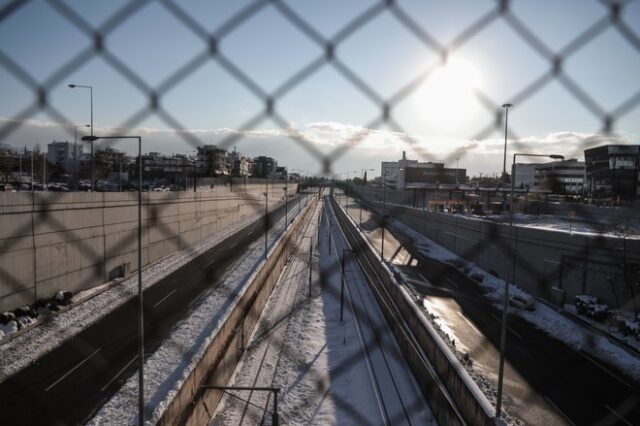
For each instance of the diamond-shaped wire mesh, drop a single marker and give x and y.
(324, 52)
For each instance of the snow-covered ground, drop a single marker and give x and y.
(554, 223)
(543, 317)
(168, 367)
(316, 360)
(565, 224)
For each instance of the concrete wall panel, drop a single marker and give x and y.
(579, 264)
(81, 237)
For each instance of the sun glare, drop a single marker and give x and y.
(446, 100)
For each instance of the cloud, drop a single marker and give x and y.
(569, 144)
(305, 146)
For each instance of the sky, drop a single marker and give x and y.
(438, 110)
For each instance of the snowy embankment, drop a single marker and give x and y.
(543, 317)
(563, 224)
(95, 303)
(301, 346)
(166, 370)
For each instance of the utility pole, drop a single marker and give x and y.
(342, 285)
(310, 262)
(266, 216)
(504, 162)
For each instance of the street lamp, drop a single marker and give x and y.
(81, 86)
(506, 120)
(342, 281)
(384, 208)
(266, 216)
(299, 171)
(457, 169)
(286, 199)
(504, 161)
(140, 297)
(75, 152)
(361, 196)
(505, 307)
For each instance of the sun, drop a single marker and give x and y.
(446, 100)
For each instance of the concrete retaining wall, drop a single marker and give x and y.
(194, 404)
(606, 267)
(454, 397)
(74, 241)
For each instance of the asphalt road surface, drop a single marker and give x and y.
(70, 383)
(548, 381)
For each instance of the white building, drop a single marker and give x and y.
(563, 176)
(392, 173)
(212, 161)
(62, 154)
(239, 164)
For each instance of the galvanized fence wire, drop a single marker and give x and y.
(502, 11)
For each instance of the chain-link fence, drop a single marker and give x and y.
(325, 53)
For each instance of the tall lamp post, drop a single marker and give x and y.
(286, 198)
(266, 216)
(504, 161)
(505, 306)
(363, 172)
(75, 153)
(81, 86)
(140, 296)
(506, 123)
(299, 190)
(384, 209)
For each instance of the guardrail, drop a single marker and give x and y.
(196, 401)
(454, 396)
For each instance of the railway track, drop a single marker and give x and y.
(269, 339)
(381, 354)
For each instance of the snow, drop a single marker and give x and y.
(562, 224)
(166, 370)
(543, 317)
(95, 303)
(321, 368)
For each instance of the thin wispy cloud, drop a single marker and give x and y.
(371, 147)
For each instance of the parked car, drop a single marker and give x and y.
(522, 301)
(591, 307)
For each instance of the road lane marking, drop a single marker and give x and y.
(517, 335)
(451, 281)
(469, 322)
(559, 411)
(118, 373)
(208, 264)
(509, 328)
(165, 298)
(51, 386)
(617, 415)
